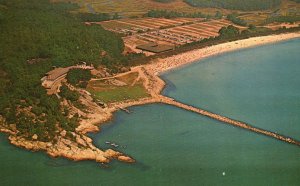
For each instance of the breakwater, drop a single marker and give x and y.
(170, 101)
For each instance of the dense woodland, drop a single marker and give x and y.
(79, 77)
(283, 19)
(236, 20)
(174, 14)
(36, 35)
(94, 17)
(89, 17)
(236, 4)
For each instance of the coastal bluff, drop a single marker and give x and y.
(71, 150)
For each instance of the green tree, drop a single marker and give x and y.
(68, 94)
(79, 77)
(236, 20)
(236, 4)
(229, 31)
(218, 15)
(116, 16)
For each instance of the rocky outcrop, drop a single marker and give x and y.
(126, 159)
(81, 149)
(9, 129)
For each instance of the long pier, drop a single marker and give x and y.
(170, 101)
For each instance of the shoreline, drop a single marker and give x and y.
(163, 65)
(84, 149)
(155, 84)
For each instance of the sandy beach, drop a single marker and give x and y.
(165, 64)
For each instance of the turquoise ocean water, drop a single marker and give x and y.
(259, 86)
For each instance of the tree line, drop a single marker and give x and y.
(236, 4)
(236, 20)
(174, 14)
(283, 19)
(89, 17)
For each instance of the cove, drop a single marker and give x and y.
(176, 147)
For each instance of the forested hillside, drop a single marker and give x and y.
(36, 35)
(236, 4)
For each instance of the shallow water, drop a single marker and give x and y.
(176, 147)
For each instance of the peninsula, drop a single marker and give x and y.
(83, 149)
(69, 78)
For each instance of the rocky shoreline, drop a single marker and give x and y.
(82, 148)
(71, 150)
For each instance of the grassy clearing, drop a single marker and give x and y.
(108, 92)
(121, 93)
(129, 78)
(255, 19)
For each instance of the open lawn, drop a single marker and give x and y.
(255, 18)
(120, 94)
(127, 87)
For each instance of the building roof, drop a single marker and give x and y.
(156, 48)
(55, 73)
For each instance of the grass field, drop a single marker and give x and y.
(120, 94)
(128, 87)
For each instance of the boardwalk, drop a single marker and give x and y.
(170, 101)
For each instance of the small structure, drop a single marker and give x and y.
(56, 73)
(155, 48)
(52, 79)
